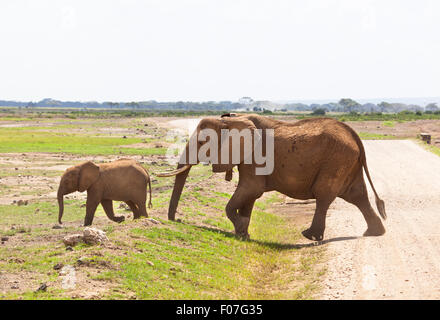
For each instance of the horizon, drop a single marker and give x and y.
(404, 100)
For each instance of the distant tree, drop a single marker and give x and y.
(432, 107)
(113, 104)
(267, 111)
(134, 105)
(257, 109)
(319, 112)
(349, 105)
(385, 106)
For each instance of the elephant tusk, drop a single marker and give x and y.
(175, 172)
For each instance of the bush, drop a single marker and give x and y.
(318, 112)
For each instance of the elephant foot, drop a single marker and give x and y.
(241, 226)
(313, 234)
(243, 236)
(375, 231)
(119, 219)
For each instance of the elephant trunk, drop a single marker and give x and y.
(177, 191)
(60, 205)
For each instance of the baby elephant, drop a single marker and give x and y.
(122, 180)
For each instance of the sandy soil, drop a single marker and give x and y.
(409, 129)
(405, 262)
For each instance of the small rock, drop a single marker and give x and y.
(22, 202)
(4, 238)
(73, 239)
(153, 221)
(42, 287)
(37, 210)
(150, 263)
(57, 226)
(58, 266)
(94, 235)
(82, 261)
(124, 137)
(14, 286)
(69, 248)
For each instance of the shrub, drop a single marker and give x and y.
(318, 112)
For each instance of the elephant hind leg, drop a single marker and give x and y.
(143, 210)
(134, 208)
(325, 189)
(317, 228)
(138, 209)
(108, 209)
(357, 194)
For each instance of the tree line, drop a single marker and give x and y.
(346, 105)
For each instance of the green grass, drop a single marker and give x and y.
(170, 261)
(389, 123)
(186, 261)
(375, 136)
(31, 140)
(433, 148)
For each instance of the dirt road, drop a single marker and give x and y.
(405, 262)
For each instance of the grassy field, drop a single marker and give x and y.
(196, 258)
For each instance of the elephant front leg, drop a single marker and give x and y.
(108, 208)
(244, 218)
(91, 205)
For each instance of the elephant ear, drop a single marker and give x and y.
(240, 124)
(88, 174)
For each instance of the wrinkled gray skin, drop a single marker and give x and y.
(314, 159)
(122, 180)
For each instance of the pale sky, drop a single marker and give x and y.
(204, 50)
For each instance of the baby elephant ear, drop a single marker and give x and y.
(88, 174)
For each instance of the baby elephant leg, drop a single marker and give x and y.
(143, 210)
(134, 209)
(108, 208)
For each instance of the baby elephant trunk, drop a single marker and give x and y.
(60, 205)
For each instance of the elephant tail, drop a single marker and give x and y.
(380, 204)
(150, 205)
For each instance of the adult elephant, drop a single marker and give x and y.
(319, 158)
